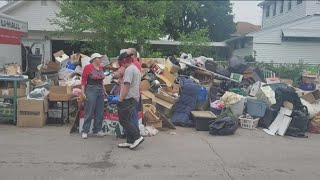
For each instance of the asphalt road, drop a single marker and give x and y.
(51, 153)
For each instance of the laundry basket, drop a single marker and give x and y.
(248, 123)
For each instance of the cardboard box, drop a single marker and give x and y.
(31, 113)
(172, 68)
(175, 88)
(163, 107)
(148, 94)
(75, 58)
(145, 85)
(51, 66)
(145, 99)
(166, 94)
(166, 78)
(312, 97)
(60, 56)
(10, 92)
(60, 93)
(308, 79)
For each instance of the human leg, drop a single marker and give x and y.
(98, 111)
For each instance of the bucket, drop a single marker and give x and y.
(256, 108)
(70, 65)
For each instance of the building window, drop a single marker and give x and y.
(275, 9)
(281, 7)
(267, 11)
(289, 4)
(299, 1)
(44, 3)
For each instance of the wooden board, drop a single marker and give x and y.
(203, 114)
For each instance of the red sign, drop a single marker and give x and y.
(10, 36)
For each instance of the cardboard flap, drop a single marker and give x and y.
(60, 56)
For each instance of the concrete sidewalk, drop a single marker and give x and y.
(52, 153)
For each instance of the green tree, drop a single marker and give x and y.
(196, 43)
(111, 24)
(187, 16)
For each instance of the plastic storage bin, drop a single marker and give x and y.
(248, 123)
(256, 108)
(202, 119)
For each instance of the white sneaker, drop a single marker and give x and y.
(124, 145)
(84, 135)
(137, 143)
(100, 134)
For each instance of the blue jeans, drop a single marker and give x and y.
(94, 106)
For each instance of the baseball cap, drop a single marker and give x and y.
(95, 55)
(124, 55)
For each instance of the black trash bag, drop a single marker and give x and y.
(268, 118)
(174, 60)
(299, 123)
(211, 66)
(287, 94)
(223, 71)
(223, 127)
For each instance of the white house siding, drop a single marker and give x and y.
(36, 15)
(310, 23)
(273, 35)
(242, 52)
(313, 7)
(296, 12)
(269, 37)
(288, 52)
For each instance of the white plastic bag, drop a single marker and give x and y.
(39, 93)
(64, 73)
(147, 130)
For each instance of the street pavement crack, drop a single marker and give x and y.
(220, 158)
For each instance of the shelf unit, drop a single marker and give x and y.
(15, 80)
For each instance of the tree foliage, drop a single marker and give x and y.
(183, 17)
(195, 43)
(109, 25)
(113, 23)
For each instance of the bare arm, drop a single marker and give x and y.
(119, 73)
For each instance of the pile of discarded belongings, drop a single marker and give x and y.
(198, 92)
(188, 92)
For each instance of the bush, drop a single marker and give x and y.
(285, 70)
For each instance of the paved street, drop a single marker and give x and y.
(51, 153)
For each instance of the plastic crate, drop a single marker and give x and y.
(248, 123)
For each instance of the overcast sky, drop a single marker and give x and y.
(247, 11)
